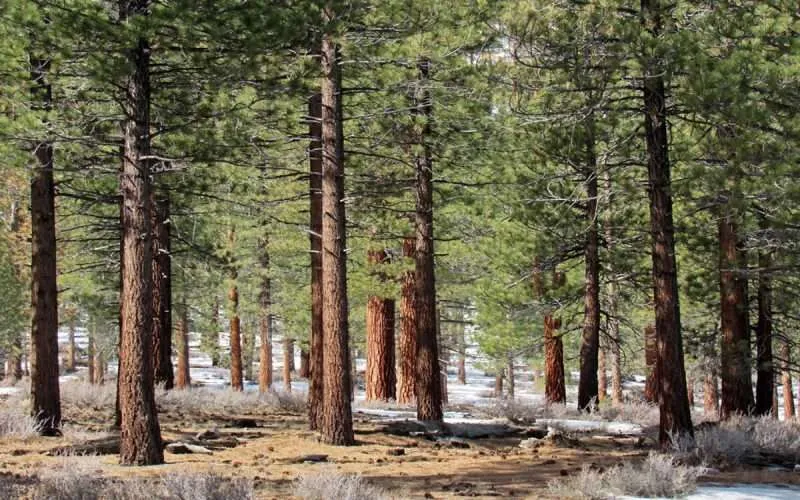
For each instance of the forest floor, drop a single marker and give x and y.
(273, 448)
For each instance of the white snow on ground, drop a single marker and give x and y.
(618, 428)
(741, 492)
(7, 391)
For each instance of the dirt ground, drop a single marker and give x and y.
(271, 455)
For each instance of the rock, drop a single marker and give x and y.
(396, 452)
(530, 443)
(187, 449)
(313, 459)
(207, 434)
(456, 443)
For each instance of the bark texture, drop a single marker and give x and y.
(162, 294)
(765, 381)
(675, 418)
(614, 346)
(380, 377)
(427, 373)
(69, 364)
(786, 381)
(288, 357)
(555, 389)
(265, 324)
(590, 339)
(651, 394)
(315, 382)
(498, 384)
(336, 426)
(140, 434)
(183, 377)
(304, 363)
(602, 379)
(407, 348)
(737, 389)
(45, 394)
(710, 394)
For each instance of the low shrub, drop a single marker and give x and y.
(334, 485)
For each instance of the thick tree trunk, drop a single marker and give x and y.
(710, 394)
(183, 377)
(498, 384)
(737, 388)
(288, 356)
(315, 382)
(380, 376)
(304, 363)
(248, 335)
(786, 382)
(651, 394)
(555, 389)
(265, 323)
(140, 434)
(407, 349)
(162, 294)
(427, 373)
(590, 340)
(45, 395)
(676, 418)
(337, 420)
(765, 382)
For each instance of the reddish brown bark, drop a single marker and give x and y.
(162, 291)
(737, 388)
(337, 420)
(140, 434)
(765, 381)
(183, 377)
(786, 382)
(651, 394)
(99, 363)
(498, 384)
(288, 356)
(602, 379)
(675, 418)
(590, 339)
(304, 361)
(45, 393)
(315, 382)
(612, 294)
(407, 348)
(710, 394)
(380, 374)
(555, 389)
(511, 382)
(237, 382)
(265, 324)
(690, 391)
(428, 385)
(211, 341)
(69, 363)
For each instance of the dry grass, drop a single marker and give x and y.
(657, 476)
(15, 422)
(733, 440)
(644, 414)
(334, 485)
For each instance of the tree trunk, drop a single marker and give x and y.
(183, 377)
(265, 323)
(140, 434)
(315, 382)
(162, 294)
(651, 394)
(304, 361)
(510, 371)
(99, 367)
(212, 336)
(461, 364)
(90, 354)
(71, 352)
(590, 340)
(675, 418)
(710, 394)
(555, 388)
(380, 376)
(248, 335)
(337, 419)
(427, 374)
(407, 349)
(737, 388)
(45, 394)
(602, 381)
(786, 382)
(498, 384)
(288, 356)
(444, 359)
(690, 391)
(613, 293)
(237, 382)
(765, 381)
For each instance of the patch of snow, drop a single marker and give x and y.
(8, 391)
(617, 428)
(741, 492)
